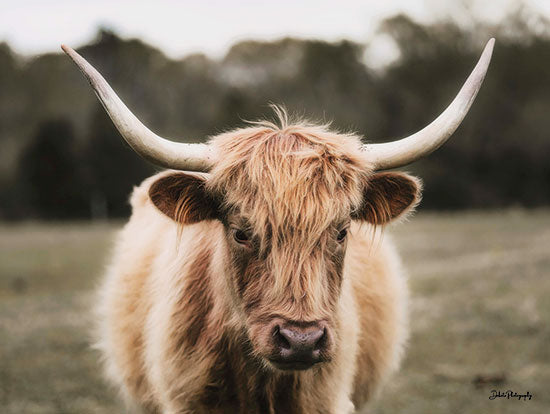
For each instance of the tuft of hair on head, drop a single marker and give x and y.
(283, 122)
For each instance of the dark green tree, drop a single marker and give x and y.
(112, 168)
(50, 174)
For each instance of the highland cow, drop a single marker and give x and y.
(250, 277)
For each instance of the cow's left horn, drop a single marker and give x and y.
(404, 151)
(160, 151)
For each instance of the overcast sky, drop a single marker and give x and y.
(211, 26)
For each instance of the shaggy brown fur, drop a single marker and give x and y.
(189, 304)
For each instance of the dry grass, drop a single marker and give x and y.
(481, 305)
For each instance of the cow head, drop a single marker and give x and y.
(286, 195)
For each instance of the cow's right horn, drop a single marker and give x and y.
(160, 151)
(406, 150)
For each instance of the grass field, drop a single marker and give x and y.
(480, 316)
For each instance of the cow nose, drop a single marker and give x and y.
(299, 346)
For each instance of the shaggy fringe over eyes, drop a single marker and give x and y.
(291, 182)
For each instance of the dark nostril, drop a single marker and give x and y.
(280, 340)
(321, 342)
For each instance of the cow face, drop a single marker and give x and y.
(286, 198)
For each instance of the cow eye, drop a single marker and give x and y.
(342, 235)
(240, 236)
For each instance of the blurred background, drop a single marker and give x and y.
(477, 251)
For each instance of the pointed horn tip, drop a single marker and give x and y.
(490, 45)
(69, 51)
(486, 56)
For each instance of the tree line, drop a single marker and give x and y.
(61, 158)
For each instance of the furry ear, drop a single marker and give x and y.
(183, 197)
(387, 196)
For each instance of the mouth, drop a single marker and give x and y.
(295, 365)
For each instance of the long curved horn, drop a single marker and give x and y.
(404, 151)
(160, 151)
